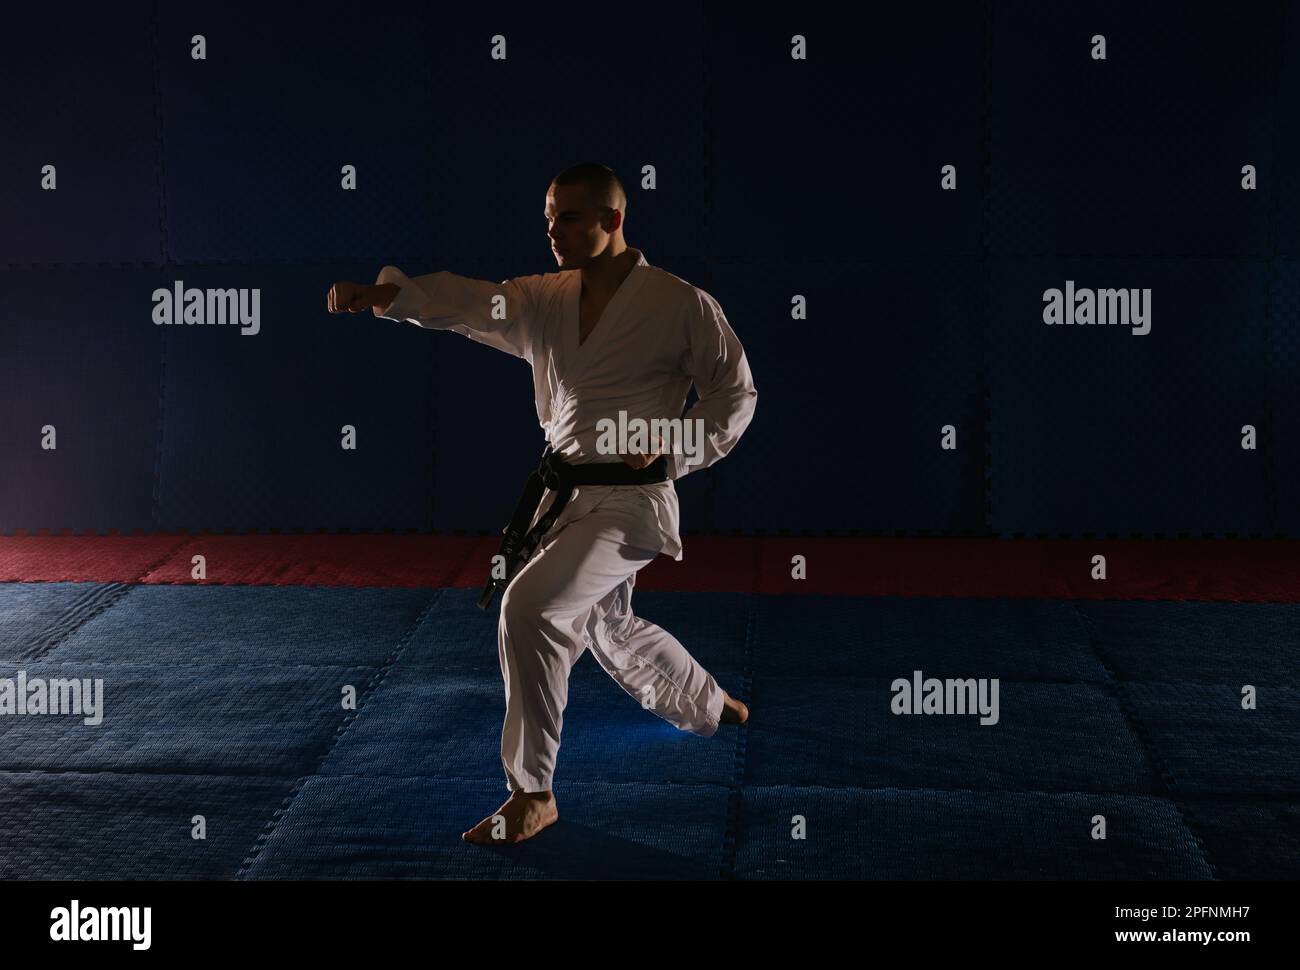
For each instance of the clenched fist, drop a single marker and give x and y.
(354, 297)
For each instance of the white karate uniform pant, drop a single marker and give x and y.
(575, 593)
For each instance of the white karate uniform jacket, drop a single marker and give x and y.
(657, 335)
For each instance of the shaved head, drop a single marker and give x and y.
(603, 187)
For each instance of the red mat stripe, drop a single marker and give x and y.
(1224, 569)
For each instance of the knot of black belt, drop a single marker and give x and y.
(553, 472)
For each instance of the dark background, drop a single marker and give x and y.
(775, 177)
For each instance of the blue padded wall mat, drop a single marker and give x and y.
(1145, 433)
(755, 82)
(1181, 100)
(808, 461)
(280, 399)
(79, 355)
(93, 115)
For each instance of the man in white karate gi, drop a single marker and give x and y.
(617, 334)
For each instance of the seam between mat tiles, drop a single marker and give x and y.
(986, 277)
(1285, 797)
(164, 254)
(87, 606)
(181, 543)
(841, 677)
(1163, 773)
(469, 557)
(732, 825)
(1273, 287)
(101, 596)
(349, 718)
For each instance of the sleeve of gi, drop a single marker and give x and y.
(716, 362)
(446, 301)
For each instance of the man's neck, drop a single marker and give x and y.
(604, 274)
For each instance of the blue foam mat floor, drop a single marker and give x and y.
(226, 713)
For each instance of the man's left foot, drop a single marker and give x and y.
(524, 815)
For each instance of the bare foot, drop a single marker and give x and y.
(521, 817)
(733, 711)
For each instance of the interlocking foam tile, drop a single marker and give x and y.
(98, 124)
(708, 563)
(269, 207)
(292, 470)
(1209, 745)
(475, 563)
(321, 560)
(447, 724)
(1206, 570)
(1088, 466)
(33, 619)
(425, 722)
(80, 356)
(1181, 98)
(808, 463)
(1245, 570)
(245, 626)
(479, 492)
(236, 720)
(929, 567)
(1198, 641)
(905, 211)
(361, 827)
(83, 558)
(1251, 839)
(1050, 737)
(922, 834)
(832, 636)
(456, 634)
(1283, 358)
(73, 825)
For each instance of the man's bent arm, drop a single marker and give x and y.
(500, 315)
(727, 396)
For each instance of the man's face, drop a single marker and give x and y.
(573, 225)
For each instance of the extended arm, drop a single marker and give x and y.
(501, 315)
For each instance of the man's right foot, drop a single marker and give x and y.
(733, 711)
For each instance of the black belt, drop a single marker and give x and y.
(554, 473)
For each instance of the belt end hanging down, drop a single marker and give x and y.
(488, 594)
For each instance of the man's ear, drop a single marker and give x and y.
(615, 221)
